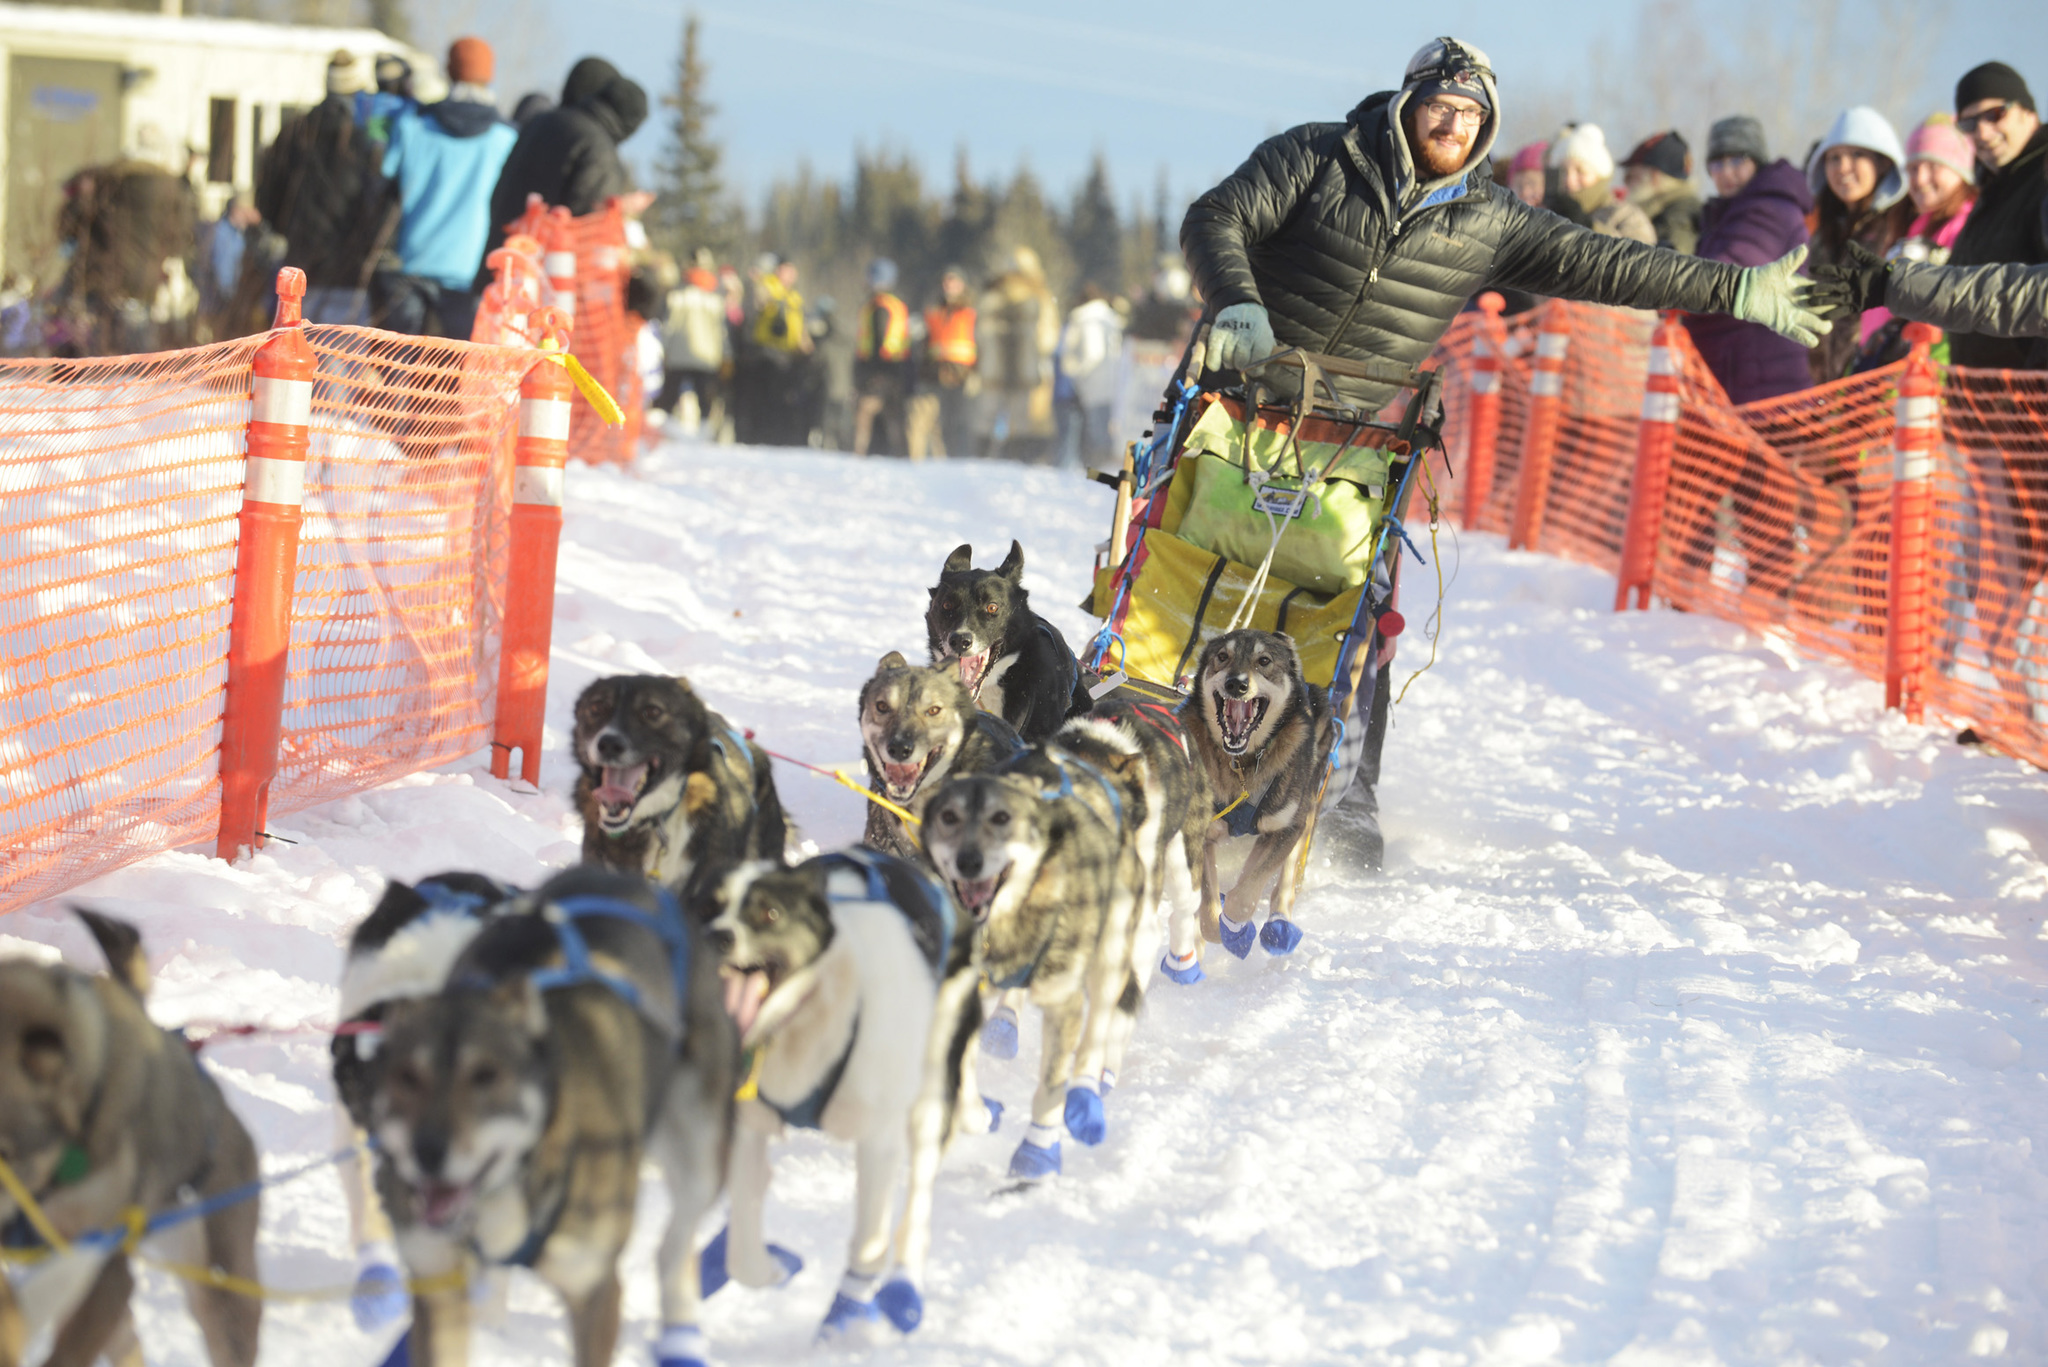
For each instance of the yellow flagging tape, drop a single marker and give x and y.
(607, 407)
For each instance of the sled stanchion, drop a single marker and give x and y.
(1539, 441)
(266, 570)
(540, 456)
(1482, 416)
(1655, 438)
(1120, 523)
(1906, 591)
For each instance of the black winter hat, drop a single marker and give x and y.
(1664, 152)
(1992, 81)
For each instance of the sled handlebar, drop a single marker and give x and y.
(1377, 372)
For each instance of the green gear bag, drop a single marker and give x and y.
(1319, 479)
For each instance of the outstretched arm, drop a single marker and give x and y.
(1544, 254)
(2008, 300)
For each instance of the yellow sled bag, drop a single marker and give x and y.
(1183, 596)
(1324, 482)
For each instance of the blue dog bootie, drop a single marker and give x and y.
(1085, 1120)
(853, 1306)
(1185, 970)
(380, 1298)
(712, 1272)
(1238, 938)
(401, 1351)
(681, 1345)
(1038, 1157)
(995, 1113)
(999, 1034)
(1279, 936)
(901, 1302)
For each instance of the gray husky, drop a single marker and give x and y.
(580, 1028)
(1051, 885)
(919, 726)
(1263, 736)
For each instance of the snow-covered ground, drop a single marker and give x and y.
(1699, 1016)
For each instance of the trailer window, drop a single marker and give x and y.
(220, 143)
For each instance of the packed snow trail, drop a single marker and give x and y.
(1699, 1016)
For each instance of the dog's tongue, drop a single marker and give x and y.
(1237, 716)
(976, 895)
(441, 1201)
(971, 667)
(901, 776)
(744, 993)
(621, 787)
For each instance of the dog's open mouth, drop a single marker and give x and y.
(745, 990)
(618, 792)
(900, 781)
(979, 895)
(973, 669)
(443, 1203)
(1238, 718)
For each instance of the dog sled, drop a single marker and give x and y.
(1274, 504)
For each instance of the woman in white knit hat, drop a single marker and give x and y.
(1585, 188)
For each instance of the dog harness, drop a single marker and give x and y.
(1152, 712)
(577, 968)
(1066, 789)
(1240, 816)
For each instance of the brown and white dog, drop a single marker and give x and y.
(102, 1112)
(1262, 734)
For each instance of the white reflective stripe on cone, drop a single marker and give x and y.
(274, 481)
(288, 403)
(547, 419)
(559, 265)
(1546, 384)
(1658, 407)
(1485, 381)
(537, 484)
(1552, 343)
(1661, 362)
(1912, 464)
(1916, 410)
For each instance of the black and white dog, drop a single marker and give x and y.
(1014, 662)
(668, 785)
(834, 971)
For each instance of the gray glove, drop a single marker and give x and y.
(1778, 297)
(1240, 335)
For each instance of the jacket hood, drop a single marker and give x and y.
(1782, 179)
(463, 119)
(1862, 126)
(1378, 121)
(621, 106)
(586, 78)
(1474, 67)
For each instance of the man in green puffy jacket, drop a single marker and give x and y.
(1364, 239)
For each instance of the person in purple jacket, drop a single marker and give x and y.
(1758, 216)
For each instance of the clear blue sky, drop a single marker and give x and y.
(1190, 86)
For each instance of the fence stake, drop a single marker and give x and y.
(1655, 438)
(1906, 596)
(1539, 442)
(539, 457)
(1482, 418)
(266, 568)
(560, 262)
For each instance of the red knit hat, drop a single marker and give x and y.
(471, 61)
(1530, 158)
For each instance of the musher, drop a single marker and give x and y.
(1365, 238)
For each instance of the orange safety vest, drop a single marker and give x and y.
(896, 341)
(950, 334)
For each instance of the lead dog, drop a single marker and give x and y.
(1014, 662)
(667, 784)
(1263, 737)
(832, 971)
(1048, 881)
(581, 1027)
(918, 727)
(102, 1111)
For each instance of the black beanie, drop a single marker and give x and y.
(1664, 152)
(1993, 81)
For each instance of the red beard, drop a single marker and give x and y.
(1435, 161)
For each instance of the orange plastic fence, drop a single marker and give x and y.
(120, 485)
(1778, 514)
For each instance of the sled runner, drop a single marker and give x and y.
(1272, 504)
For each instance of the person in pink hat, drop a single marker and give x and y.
(1941, 177)
(1526, 177)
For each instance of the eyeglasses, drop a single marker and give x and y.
(1996, 114)
(1436, 111)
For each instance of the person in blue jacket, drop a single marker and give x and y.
(444, 159)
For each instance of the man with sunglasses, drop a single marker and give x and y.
(1995, 110)
(1363, 239)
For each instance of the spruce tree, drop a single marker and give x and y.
(1093, 235)
(690, 210)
